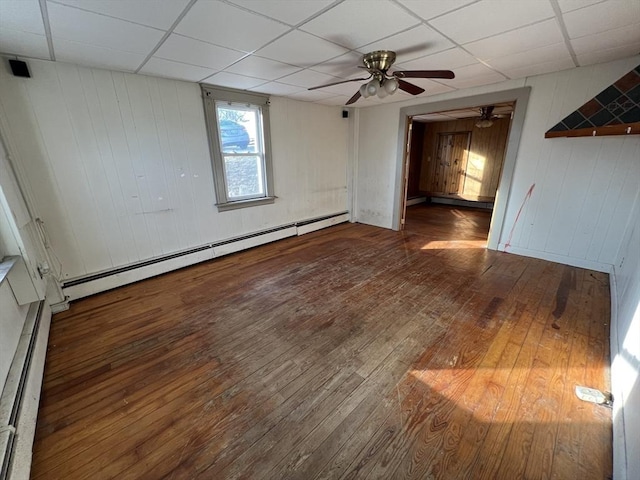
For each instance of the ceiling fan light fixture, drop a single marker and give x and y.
(391, 85)
(484, 123)
(363, 90)
(382, 92)
(372, 88)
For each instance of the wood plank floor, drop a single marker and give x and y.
(352, 352)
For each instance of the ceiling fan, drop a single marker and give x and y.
(383, 83)
(486, 117)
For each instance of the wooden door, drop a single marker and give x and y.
(451, 162)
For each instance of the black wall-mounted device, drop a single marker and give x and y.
(345, 113)
(19, 68)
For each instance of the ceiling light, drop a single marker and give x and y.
(391, 85)
(372, 87)
(484, 123)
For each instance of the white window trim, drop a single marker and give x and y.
(210, 95)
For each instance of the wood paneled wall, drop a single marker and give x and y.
(481, 173)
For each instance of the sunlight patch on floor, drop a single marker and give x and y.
(453, 244)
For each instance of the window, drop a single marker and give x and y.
(238, 129)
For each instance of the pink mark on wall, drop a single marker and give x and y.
(515, 222)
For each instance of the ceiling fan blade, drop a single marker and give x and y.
(353, 99)
(409, 87)
(338, 83)
(424, 74)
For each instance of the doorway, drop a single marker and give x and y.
(465, 188)
(459, 158)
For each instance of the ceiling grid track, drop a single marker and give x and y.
(47, 29)
(167, 34)
(563, 29)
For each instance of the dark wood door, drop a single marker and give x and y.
(451, 162)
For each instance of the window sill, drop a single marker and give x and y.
(6, 264)
(223, 207)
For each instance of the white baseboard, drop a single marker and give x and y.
(28, 398)
(255, 241)
(462, 202)
(109, 282)
(80, 288)
(327, 222)
(59, 307)
(416, 201)
(553, 257)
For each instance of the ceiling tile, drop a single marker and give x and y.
(549, 53)
(241, 82)
(69, 23)
(414, 43)
(473, 75)
(433, 8)
(344, 88)
(308, 78)
(432, 117)
(628, 35)
(181, 71)
(275, 88)
(354, 23)
(449, 60)
(490, 17)
(602, 17)
(83, 54)
(285, 10)
(195, 52)
(340, 100)
(21, 15)
(539, 69)
(27, 44)
(608, 55)
(311, 95)
(569, 5)
(463, 114)
(520, 40)
(259, 67)
(153, 13)
(302, 49)
(344, 66)
(229, 26)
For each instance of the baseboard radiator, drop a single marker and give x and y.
(21, 395)
(107, 280)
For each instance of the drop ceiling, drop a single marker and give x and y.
(499, 110)
(281, 47)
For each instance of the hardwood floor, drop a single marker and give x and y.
(352, 352)
(448, 224)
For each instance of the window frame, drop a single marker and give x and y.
(210, 96)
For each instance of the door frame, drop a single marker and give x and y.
(520, 97)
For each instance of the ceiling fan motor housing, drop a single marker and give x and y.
(380, 60)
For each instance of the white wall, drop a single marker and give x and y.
(625, 347)
(584, 186)
(11, 323)
(118, 164)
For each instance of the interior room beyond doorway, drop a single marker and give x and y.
(455, 164)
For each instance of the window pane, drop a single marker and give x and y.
(239, 129)
(244, 176)
(240, 150)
